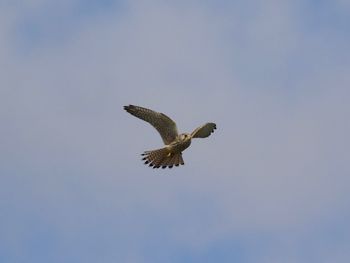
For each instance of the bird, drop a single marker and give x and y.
(171, 154)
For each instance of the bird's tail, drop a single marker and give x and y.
(162, 158)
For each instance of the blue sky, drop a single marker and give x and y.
(270, 185)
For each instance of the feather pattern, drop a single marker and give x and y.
(175, 144)
(162, 158)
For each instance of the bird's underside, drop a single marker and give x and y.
(171, 154)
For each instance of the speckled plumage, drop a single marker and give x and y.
(175, 143)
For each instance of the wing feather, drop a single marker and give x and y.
(163, 124)
(204, 130)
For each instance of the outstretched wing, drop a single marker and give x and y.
(204, 131)
(164, 125)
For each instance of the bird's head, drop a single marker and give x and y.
(185, 137)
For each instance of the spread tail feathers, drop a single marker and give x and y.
(162, 158)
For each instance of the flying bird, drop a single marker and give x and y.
(175, 143)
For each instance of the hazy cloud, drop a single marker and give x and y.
(269, 185)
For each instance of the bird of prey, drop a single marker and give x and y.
(175, 144)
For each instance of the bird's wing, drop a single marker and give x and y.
(164, 125)
(204, 130)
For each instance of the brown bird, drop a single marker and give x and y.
(175, 143)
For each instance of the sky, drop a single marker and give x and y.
(270, 185)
